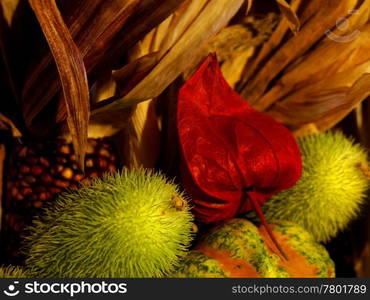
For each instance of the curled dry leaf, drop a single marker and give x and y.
(147, 53)
(213, 17)
(71, 70)
(109, 34)
(142, 133)
(181, 20)
(91, 38)
(324, 103)
(142, 137)
(290, 15)
(274, 41)
(8, 8)
(312, 31)
(235, 44)
(7, 124)
(318, 76)
(249, 5)
(328, 59)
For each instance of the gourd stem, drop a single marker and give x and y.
(259, 212)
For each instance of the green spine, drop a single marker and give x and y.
(12, 272)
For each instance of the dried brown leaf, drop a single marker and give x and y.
(310, 33)
(148, 16)
(324, 103)
(71, 70)
(7, 124)
(290, 15)
(236, 44)
(358, 92)
(328, 59)
(274, 41)
(9, 7)
(249, 5)
(142, 137)
(155, 45)
(133, 72)
(215, 15)
(117, 37)
(181, 20)
(93, 25)
(348, 26)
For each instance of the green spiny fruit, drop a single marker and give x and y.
(131, 224)
(331, 190)
(38, 171)
(12, 272)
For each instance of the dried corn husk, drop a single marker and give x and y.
(236, 44)
(72, 73)
(313, 78)
(213, 17)
(8, 8)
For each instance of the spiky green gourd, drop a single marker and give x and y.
(12, 272)
(131, 224)
(331, 190)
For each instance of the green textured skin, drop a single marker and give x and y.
(12, 272)
(242, 240)
(331, 190)
(124, 225)
(199, 265)
(302, 241)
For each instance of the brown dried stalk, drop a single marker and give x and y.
(7, 124)
(142, 135)
(155, 45)
(71, 70)
(236, 44)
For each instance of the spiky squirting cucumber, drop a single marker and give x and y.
(131, 224)
(332, 188)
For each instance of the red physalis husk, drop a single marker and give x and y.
(233, 157)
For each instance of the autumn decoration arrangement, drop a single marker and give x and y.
(183, 139)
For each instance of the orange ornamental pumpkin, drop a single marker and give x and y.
(237, 248)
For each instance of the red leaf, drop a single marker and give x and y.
(232, 154)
